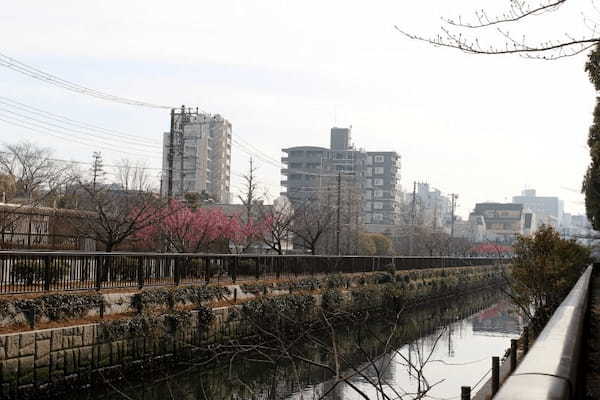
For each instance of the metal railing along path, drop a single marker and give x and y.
(549, 370)
(44, 271)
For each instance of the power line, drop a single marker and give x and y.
(67, 130)
(62, 119)
(35, 73)
(60, 135)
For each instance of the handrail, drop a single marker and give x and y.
(244, 255)
(549, 370)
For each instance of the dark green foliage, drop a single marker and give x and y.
(336, 281)
(142, 324)
(280, 313)
(179, 319)
(300, 284)
(379, 278)
(365, 298)
(30, 272)
(255, 288)
(544, 270)
(58, 307)
(591, 180)
(332, 300)
(171, 296)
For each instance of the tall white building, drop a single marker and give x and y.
(199, 151)
(548, 209)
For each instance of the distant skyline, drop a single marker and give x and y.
(284, 73)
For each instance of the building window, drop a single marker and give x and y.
(369, 160)
(368, 206)
(369, 183)
(378, 182)
(378, 170)
(378, 194)
(369, 171)
(379, 159)
(378, 205)
(377, 217)
(368, 194)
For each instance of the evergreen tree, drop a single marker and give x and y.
(591, 181)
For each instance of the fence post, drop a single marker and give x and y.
(177, 272)
(47, 267)
(206, 264)
(234, 295)
(98, 273)
(495, 375)
(465, 393)
(235, 267)
(140, 272)
(32, 316)
(513, 355)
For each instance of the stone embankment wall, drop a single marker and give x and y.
(42, 358)
(53, 355)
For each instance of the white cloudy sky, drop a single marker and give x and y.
(284, 72)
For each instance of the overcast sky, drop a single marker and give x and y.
(285, 72)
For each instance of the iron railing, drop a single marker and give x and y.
(44, 271)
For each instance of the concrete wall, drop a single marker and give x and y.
(51, 355)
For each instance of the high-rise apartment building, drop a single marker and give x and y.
(382, 194)
(197, 155)
(548, 209)
(310, 170)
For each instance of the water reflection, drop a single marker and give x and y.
(438, 364)
(450, 346)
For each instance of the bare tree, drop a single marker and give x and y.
(277, 220)
(313, 219)
(133, 175)
(35, 174)
(467, 34)
(115, 215)
(249, 196)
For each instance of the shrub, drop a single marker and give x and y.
(280, 313)
(58, 307)
(332, 300)
(171, 296)
(33, 271)
(544, 269)
(336, 281)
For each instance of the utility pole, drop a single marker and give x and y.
(181, 149)
(435, 204)
(170, 156)
(339, 203)
(454, 196)
(412, 219)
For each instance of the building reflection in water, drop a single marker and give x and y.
(500, 319)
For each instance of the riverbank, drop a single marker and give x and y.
(33, 362)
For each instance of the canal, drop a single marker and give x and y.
(429, 352)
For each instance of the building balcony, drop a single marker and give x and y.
(284, 160)
(284, 182)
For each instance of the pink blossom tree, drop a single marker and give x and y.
(242, 234)
(186, 230)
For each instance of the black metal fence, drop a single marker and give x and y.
(36, 271)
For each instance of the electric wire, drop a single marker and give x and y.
(35, 73)
(69, 131)
(60, 135)
(60, 118)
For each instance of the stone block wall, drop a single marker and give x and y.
(38, 358)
